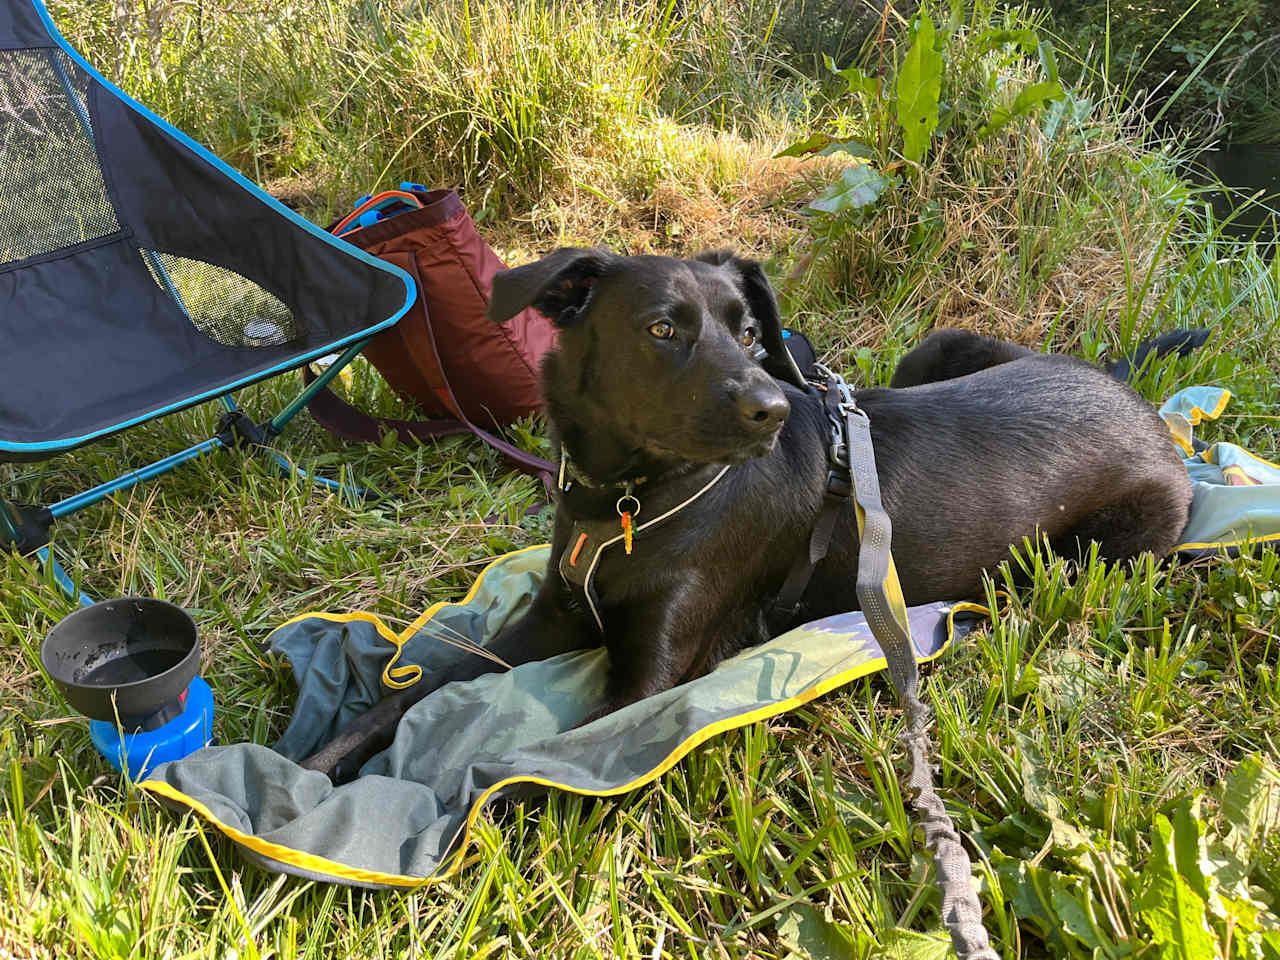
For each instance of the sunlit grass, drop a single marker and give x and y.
(1097, 699)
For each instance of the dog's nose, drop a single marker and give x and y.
(763, 407)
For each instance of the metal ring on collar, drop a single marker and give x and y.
(626, 496)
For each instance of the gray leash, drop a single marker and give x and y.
(880, 597)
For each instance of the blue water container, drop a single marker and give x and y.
(140, 753)
(129, 665)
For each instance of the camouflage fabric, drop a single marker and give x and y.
(1236, 493)
(406, 819)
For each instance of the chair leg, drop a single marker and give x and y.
(295, 406)
(276, 425)
(133, 478)
(237, 430)
(26, 528)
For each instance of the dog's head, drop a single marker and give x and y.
(661, 352)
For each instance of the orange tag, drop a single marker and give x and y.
(626, 531)
(573, 557)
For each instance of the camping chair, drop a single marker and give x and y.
(140, 275)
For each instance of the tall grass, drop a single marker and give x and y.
(1030, 229)
(1101, 700)
(561, 114)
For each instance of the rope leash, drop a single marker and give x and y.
(881, 600)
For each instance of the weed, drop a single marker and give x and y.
(1110, 714)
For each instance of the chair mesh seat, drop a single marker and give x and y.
(139, 274)
(221, 304)
(48, 163)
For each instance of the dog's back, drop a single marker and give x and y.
(1045, 445)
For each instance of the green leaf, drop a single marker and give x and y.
(919, 86)
(1069, 841)
(1250, 804)
(1028, 99)
(1034, 94)
(1068, 680)
(908, 945)
(1048, 60)
(824, 145)
(1025, 40)
(1024, 889)
(810, 144)
(1248, 916)
(1170, 907)
(1072, 901)
(811, 935)
(858, 187)
(857, 81)
(1189, 846)
(1271, 939)
(1035, 785)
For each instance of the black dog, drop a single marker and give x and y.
(656, 399)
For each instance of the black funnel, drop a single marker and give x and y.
(131, 659)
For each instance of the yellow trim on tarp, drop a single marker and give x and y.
(1176, 435)
(296, 858)
(1265, 538)
(1192, 418)
(1262, 460)
(1197, 415)
(395, 678)
(1210, 455)
(320, 865)
(695, 740)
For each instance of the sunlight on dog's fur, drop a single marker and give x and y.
(654, 390)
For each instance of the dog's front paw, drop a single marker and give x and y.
(339, 768)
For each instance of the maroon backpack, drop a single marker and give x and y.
(445, 354)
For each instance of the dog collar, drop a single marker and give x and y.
(567, 476)
(589, 539)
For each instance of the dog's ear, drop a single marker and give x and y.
(557, 286)
(764, 308)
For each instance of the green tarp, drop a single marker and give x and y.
(407, 818)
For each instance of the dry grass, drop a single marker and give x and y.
(1072, 703)
(715, 188)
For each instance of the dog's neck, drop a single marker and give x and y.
(602, 462)
(594, 456)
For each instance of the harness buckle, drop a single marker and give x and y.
(853, 411)
(839, 483)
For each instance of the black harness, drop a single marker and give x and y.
(840, 408)
(851, 474)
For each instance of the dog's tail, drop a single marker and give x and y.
(1128, 367)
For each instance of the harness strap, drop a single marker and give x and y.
(839, 487)
(880, 597)
(788, 602)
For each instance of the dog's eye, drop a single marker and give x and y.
(662, 330)
(749, 337)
